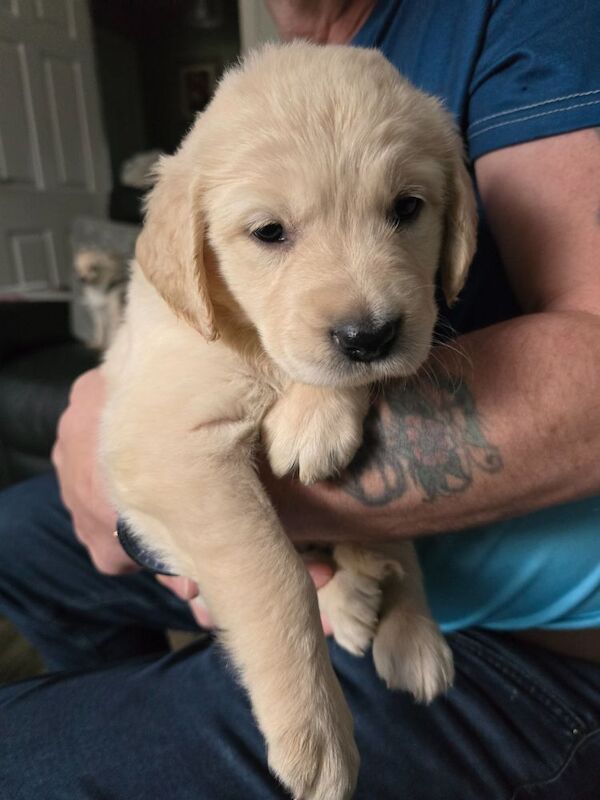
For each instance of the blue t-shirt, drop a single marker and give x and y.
(510, 71)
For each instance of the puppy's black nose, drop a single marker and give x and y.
(366, 341)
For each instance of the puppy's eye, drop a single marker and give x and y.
(406, 209)
(273, 233)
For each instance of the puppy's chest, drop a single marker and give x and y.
(230, 397)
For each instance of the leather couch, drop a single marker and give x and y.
(39, 360)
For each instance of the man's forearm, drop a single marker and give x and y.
(424, 436)
(510, 427)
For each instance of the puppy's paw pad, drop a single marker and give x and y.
(351, 602)
(411, 654)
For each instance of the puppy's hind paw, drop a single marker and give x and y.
(351, 603)
(410, 653)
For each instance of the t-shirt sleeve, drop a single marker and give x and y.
(537, 75)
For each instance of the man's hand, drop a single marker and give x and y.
(75, 457)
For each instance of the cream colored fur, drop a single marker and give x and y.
(225, 338)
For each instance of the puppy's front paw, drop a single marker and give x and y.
(411, 653)
(315, 431)
(317, 760)
(351, 603)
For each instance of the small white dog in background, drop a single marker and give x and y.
(103, 277)
(287, 263)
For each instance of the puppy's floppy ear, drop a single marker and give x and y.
(170, 247)
(460, 231)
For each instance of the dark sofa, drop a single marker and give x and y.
(39, 360)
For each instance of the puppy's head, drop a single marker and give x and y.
(326, 192)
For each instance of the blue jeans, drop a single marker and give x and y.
(121, 718)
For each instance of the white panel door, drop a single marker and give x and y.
(53, 155)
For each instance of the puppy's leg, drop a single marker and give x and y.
(351, 600)
(316, 430)
(409, 649)
(376, 595)
(198, 503)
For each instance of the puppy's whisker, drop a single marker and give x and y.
(457, 350)
(440, 365)
(444, 323)
(431, 374)
(443, 327)
(377, 391)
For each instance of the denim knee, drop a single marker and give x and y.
(32, 520)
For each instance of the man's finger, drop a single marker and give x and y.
(320, 572)
(184, 588)
(201, 613)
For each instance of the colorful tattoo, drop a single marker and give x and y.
(426, 435)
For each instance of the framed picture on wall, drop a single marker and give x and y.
(197, 86)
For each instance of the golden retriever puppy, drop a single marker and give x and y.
(287, 263)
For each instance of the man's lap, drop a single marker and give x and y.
(179, 726)
(73, 614)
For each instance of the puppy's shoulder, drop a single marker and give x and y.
(158, 359)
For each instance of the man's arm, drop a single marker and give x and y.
(512, 424)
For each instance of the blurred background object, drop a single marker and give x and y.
(90, 94)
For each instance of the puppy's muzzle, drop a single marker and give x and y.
(365, 340)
